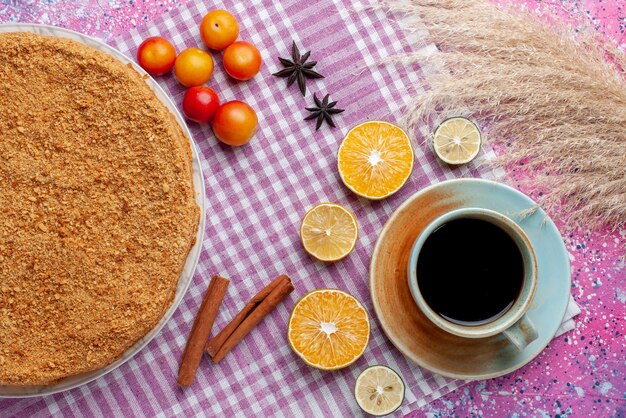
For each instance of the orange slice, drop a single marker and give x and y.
(329, 329)
(375, 159)
(329, 232)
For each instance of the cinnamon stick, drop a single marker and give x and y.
(253, 313)
(218, 341)
(201, 330)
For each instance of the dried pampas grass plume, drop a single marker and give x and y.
(557, 99)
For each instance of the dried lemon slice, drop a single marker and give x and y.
(329, 232)
(375, 159)
(379, 390)
(457, 140)
(329, 329)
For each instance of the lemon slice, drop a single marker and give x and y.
(329, 232)
(457, 140)
(375, 159)
(329, 329)
(379, 390)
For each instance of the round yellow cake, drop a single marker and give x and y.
(97, 208)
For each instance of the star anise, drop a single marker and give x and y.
(323, 111)
(298, 68)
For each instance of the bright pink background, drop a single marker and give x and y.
(582, 373)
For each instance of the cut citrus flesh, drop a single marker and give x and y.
(379, 390)
(329, 329)
(329, 232)
(457, 140)
(375, 159)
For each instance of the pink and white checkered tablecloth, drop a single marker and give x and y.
(256, 197)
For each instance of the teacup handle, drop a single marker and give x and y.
(521, 333)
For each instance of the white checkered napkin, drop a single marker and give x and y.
(287, 169)
(256, 196)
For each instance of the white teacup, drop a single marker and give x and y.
(514, 324)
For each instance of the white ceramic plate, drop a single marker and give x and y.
(194, 254)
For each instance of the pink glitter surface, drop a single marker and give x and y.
(582, 373)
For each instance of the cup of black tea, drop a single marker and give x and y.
(473, 272)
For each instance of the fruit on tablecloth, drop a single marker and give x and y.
(457, 140)
(329, 329)
(323, 111)
(156, 55)
(200, 104)
(193, 67)
(219, 29)
(379, 390)
(329, 232)
(298, 68)
(235, 123)
(242, 60)
(375, 159)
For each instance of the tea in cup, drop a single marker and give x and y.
(473, 272)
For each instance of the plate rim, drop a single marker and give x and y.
(410, 356)
(193, 257)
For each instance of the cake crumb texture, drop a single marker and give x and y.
(97, 208)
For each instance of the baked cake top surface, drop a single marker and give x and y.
(97, 207)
